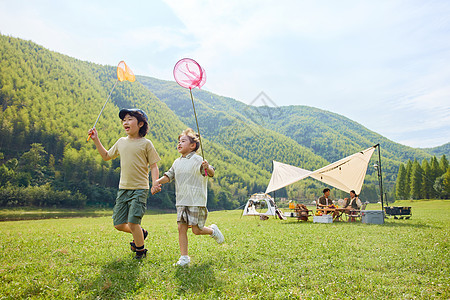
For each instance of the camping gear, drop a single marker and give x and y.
(123, 73)
(346, 174)
(399, 212)
(372, 216)
(259, 201)
(323, 219)
(302, 212)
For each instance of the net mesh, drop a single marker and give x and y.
(124, 72)
(189, 74)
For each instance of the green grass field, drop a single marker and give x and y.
(87, 258)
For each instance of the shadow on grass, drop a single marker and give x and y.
(40, 214)
(196, 279)
(117, 280)
(397, 223)
(405, 223)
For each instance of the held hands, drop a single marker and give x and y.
(156, 187)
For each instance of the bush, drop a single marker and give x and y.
(39, 196)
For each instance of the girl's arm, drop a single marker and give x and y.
(156, 187)
(163, 179)
(210, 171)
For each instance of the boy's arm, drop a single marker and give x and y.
(155, 172)
(103, 152)
(156, 187)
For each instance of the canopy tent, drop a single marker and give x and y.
(284, 175)
(346, 174)
(259, 201)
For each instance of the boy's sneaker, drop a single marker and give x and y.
(217, 235)
(183, 261)
(133, 245)
(141, 254)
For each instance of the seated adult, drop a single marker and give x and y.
(325, 202)
(353, 203)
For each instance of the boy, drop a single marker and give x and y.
(188, 171)
(136, 154)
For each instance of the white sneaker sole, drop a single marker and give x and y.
(218, 236)
(181, 263)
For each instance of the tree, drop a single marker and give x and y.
(401, 184)
(416, 180)
(225, 200)
(33, 163)
(442, 185)
(446, 184)
(6, 175)
(435, 172)
(369, 193)
(408, 179)
(443, 164)
(427, 181)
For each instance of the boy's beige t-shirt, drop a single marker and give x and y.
(135, 157)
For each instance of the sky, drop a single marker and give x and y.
(384, 64)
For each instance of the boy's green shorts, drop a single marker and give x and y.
(130, 206)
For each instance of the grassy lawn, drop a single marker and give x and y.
(87, 258)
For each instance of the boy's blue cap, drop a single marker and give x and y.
(124, 111)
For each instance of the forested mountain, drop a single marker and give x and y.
(49, 101)
(304, 136)
(440, 150)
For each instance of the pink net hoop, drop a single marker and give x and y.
(189, 74)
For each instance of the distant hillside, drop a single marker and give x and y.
(302, 136)
(52, 99)
(49, 101)
(440, 150)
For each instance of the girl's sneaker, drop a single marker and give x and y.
(217, 235)
(183, 261)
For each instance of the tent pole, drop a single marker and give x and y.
(380, 177)
(273, 191)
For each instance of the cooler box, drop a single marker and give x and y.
(372, 216)
(290, 214)
(323, 219)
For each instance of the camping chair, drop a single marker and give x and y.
(302, 212)
(354, 215)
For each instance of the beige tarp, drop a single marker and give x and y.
(346, 174)
(284, 175)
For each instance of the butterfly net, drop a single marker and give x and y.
(124, 72)
(189, 74)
